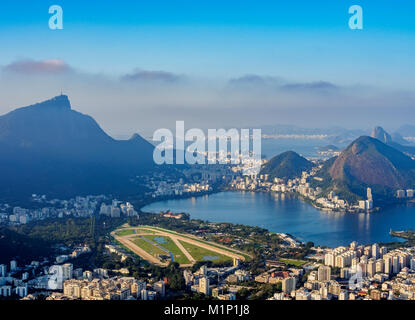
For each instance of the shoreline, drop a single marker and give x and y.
(396, 204)
(288, 232)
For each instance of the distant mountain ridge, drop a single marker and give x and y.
(51, 123)
(395, 140)
(287, 165)
(50, 148)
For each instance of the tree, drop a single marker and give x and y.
(243, 294)
(176, 282)
(309, 245)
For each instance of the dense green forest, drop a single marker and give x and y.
(70, 231)
(40, 238)
(15, 245)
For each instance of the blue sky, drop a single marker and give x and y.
(214, 41)
(216, 38)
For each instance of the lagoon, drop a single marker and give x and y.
(288, 214)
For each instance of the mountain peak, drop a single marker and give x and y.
(58, 102)
(287, 165)
(135, 136)
(368, 162)
(48, 148)
(380, 134)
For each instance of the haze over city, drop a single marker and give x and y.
(136, 68)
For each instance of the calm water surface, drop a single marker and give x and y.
(279, 213)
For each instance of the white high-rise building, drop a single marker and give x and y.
(203, 270)
(324, 273)
(403, 260)
(115, 212)
(21, 291)
(105, 210)
(340, 261)
(13, 265)
(355, 262)
(288, 284)
(6, 291)
(329, 259)
(375, 251)
(363, 268)
(144, 294)
(87, 275)
(400, 194)
(324, 292)
(3, 270)
(204, 285)
(160, 288)
(369, 194)
(67, 271)
(388, 264)
(395, 264)
(362, 204)
(380, 266)
(371, 267)
(188, 276)
(345, 273)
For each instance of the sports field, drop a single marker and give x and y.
(294, 262)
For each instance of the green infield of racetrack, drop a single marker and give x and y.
(198, 253)
(179, 256)
(148, 247)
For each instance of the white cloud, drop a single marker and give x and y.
(53, 66)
